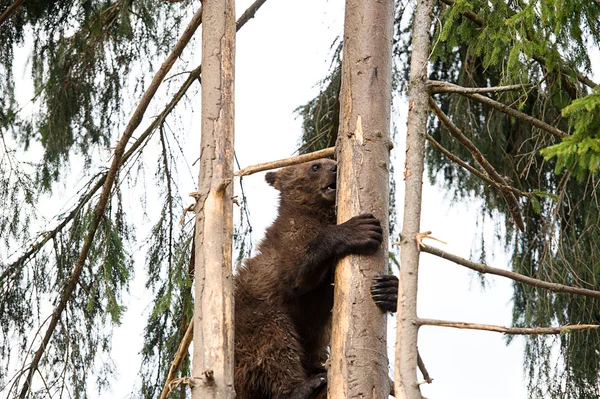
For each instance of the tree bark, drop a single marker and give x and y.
(213, 301)
(406, 385)
(359, 364)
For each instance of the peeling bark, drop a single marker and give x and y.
(359, 364)
(213, 300)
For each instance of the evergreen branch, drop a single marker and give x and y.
(192, 77)
(540, 60)
(107, 189)
(436, 86)
(182, 352)
(534, 282)
(9, 10)
(511, 200)
(517, 114)
(508, 330)
(471, 169)
(311, 156)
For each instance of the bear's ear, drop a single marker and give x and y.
(271, 177)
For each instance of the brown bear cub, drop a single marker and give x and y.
(284, 295)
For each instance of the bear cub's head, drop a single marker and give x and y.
(309, 184)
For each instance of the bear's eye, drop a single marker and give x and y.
(316, 166)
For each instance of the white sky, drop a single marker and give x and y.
(281, 55)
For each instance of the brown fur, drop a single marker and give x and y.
(284, 295)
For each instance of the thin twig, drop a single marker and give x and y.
(423, 369)
(485, 269)
(436, 86)
(106, 191)
(511, 200)
(508, 330)
(327, 152)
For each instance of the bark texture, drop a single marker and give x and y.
(406, 386)
(359, 364)
(213, 303)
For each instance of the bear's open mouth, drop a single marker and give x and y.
(330, 188)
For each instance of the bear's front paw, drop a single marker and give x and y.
(361, 235)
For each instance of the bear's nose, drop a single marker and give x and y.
(334, 168)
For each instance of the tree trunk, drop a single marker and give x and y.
(213, 301)
(359, 364)
(407, 330)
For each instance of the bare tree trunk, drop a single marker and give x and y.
(407, 329)
(213, 301)
(359, 364)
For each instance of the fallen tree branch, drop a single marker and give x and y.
(471, 169)
(485, 269)
(508, 330)
(436, 86)
(511, 200)
(325, 153)
(106, 191)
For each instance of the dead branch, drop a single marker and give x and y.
(192, 77)
(423, 370)
(182, 352)
(436, 86)
(9, 10)
(511, 200)
(106, 191)
(518, 114)
(485, 269)
(325, 153)
(508, 330)
(471, 169)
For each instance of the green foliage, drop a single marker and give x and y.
(579, 152)
(83, 53)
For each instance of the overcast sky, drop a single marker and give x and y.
(281, 55)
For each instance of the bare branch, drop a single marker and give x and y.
(325, 153)
(422, 369)
(436, 86)
(534, 282)
(508, 330)
(106, 191)
(511, 200)
(9, 10)
(517, 114)
(182, 352)
(471, 169)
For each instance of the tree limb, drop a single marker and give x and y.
(534, 282)
(182, 352)
(106, 191)
(511, 200)
(9, 10)
(324, 153)
(436, 86)
(508, 330)
(473, 170)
